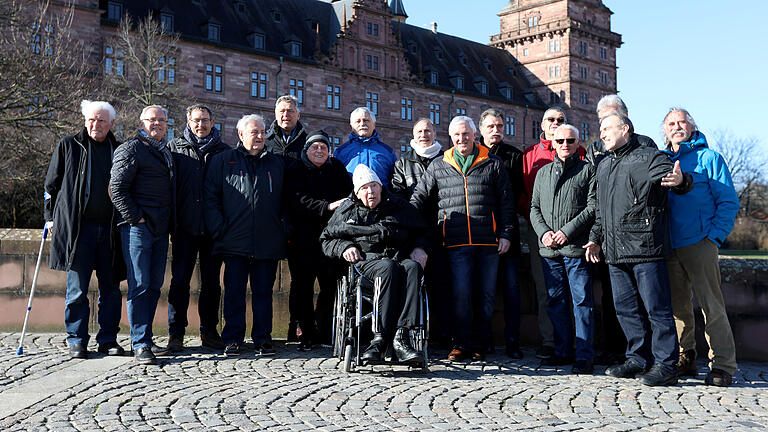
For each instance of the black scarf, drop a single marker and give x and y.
(203, 144)
(160, 146)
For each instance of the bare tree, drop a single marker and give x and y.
(746, 159)
(44, 71)
(143, 69)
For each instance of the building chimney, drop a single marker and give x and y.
(433, 25)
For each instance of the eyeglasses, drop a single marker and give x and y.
(568, 140)
(556, 120)
(156, 120)
(201, 121)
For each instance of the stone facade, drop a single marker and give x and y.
(366, 55)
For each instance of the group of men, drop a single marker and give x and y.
(656, 218)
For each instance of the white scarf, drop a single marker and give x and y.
(428, 152)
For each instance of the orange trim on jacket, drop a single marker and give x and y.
(482, 155)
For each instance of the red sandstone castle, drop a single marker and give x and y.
(335, 55)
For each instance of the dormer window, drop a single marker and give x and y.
(276, 16)
(487, 64)
(214, 32)
(438, 53)
(482, 86)
(412, 47)
(294, 48)
(462, 59)
(114, 11)
(240, 6)
(458, 81)
(433, 78)
(166, 21)
(505, 90)
(258, 41)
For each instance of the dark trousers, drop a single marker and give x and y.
(306, 265)
(237, 271)
(145, 258)
(474, 270)
(652, 338)
(186, 249)
(510, 288)
(93, 252)
(399, 292)
(569, 279)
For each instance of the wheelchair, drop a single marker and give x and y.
(356, 293)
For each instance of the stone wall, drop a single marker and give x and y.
(745, 289)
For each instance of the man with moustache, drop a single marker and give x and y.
(143, 192)
(492, 131)
(81, 218)
(365, 147)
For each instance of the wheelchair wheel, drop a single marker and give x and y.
(348, 358)
(339, 319)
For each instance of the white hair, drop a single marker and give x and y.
(569, 127)
(362, 110)
(149, 107)
(462, 119)
(688, 118)
(248, 118)
(89, 107)
(291, 99)
(615, 101)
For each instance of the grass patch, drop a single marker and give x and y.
(748, 254)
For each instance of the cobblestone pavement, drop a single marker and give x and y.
(201, 390)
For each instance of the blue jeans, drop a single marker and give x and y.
(570, 277)
(511, 290)
(652, 337)
(145, 258)
(185, 252)
(474, 270)
(93, 252)
(237, 271)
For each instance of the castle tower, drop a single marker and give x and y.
(567, 50)
(397, 10)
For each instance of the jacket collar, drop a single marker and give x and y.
(697, 140)
(626, 148)
(277, 131)
(82, 138)
(245, 153)
(482, 155)
(544, 143)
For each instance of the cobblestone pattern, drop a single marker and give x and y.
(201, 390)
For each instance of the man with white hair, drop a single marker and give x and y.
(243, 212)
(79, 213)
(699, 223)
(475, 210)
(143, 192)
(365, 147)
(562, 213)
(610, 103)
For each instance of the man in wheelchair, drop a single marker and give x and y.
(383, 236)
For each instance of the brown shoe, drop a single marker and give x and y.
(457, 355)
(478, 356)
(686, 363)
(718, 377)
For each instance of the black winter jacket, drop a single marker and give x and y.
(391, 230)
(244, 203)
(310, 190)
(292, 149)
(67, 185)
(190, 166)
(564, 199)
(596, 151)
(476, 209)
(631, 217)
(408, 171)
(142, 186)
(512, 158)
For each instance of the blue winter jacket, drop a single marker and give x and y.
(371, 152)
(709, 210)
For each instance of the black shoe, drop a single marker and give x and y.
(545, 352)
(265, 349)
(144, 355)
(513, 351)
(232, 350)
(478, 356)
(660, 375)
(78, 351)
(375, 350)
(111, 349)
(158, 350)
(305, 345)
(626, 370)
(175, 343)
(582, 367)
(211, 339)
(403, 347)
(556, 360)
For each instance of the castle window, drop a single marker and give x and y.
(461, 111)
(434, 113)
(372, 29)
(603, 77)
(296, 88)
(406, 109)
(583, 72)
(372, 102)
(259, 41)
(259, 85)
(603, 53)
(114, 11)
(333, 97)
(214, 78)
(509, 128)
(525, 52)
(554, 45)
(554, 71)
(583, 48)
(584, 132)
(166, 21)
(167, 71)
(433, 78)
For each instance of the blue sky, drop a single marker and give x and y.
(699, 54)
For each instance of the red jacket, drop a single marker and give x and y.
(535, 157)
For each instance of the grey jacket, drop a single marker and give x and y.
(564, 199)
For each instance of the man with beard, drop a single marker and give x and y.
(191, 153)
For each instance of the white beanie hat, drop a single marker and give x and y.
(362, 176)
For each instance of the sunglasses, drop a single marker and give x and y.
(568, 140)
(556, 120)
